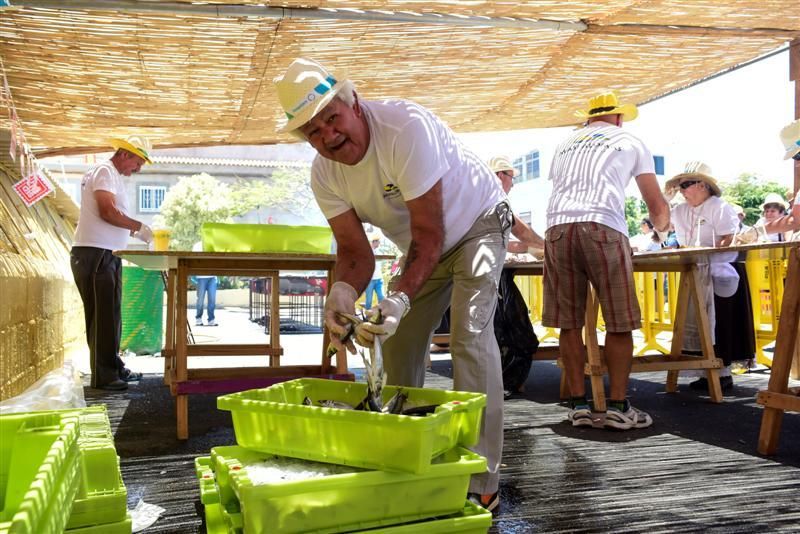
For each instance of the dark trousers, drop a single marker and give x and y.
(98, 275)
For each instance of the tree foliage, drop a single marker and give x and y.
(748, 192)
(191, 202)
(635, 211)
(201, 198)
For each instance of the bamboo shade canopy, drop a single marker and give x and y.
(182, 75)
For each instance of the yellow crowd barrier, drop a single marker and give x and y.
(658, 294)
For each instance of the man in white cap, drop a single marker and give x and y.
(104, 226)
(528, 240)
(396, 165)
(587, 241)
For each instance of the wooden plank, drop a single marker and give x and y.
(169, 342)
(593, 355)
(232, 385)
(251, 349)
(787, 402)
(216, 373)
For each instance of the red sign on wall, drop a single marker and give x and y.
(33, 189)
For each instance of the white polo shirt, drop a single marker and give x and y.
(92, 230)
(590, 172)
(410, 150)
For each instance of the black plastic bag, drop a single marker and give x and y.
(514, 333)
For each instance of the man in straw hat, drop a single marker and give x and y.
(529, 241)
(587, 241)
(104, 226)
(397, 166)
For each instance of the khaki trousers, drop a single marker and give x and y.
(465, 279)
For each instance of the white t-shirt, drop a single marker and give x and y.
(410, 150)
(377, 274)
(590, 172)
(703, 225)
(92, 230)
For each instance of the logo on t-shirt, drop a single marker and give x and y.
(591, 141)
(390, 191)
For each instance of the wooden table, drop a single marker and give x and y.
(184, 381)
(687, 262)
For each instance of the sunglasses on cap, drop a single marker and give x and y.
(689, 183)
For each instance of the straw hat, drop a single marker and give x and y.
(501, 163)
(790, 136)
(695, 170)
(607, 103)
(135, 145)
(305, 88)
(774, 198)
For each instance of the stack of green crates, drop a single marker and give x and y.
(409, 474)
(59, 472)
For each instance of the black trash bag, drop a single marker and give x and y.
(514, 332)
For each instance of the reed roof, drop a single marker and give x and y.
(183, 77)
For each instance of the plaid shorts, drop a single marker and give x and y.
(577, 253)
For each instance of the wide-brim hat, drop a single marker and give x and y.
(790, 136)
(304, 89)
(607, 103)
(774, 198)
(134, 144)
(502, 163)
(695, 170)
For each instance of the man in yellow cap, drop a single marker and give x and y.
(587, 241)
(396, 165)
(104, 226)
(528, 240)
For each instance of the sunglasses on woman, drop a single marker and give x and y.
(688, 184)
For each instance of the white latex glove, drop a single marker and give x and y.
(662, 236)
(341, 299)
(144, 234)
(537, 253)
(391, 310)
(670, 193)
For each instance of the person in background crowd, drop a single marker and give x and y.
(375, 285)
(705, 220)
(529, 240)
(790, 136)
(587, 241)
(773, 208)
(104, 225)
(647, 240)
(206, 287)
(396, 165)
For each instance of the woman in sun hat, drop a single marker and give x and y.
(790, 136)
(705, 220)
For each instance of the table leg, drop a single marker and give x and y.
(181, 351)
(275, 318)
(703, 325)
(169, 343)
(787, 342)
(594, 358)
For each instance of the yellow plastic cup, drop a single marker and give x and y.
(160, 239)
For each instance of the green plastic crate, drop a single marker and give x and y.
(221, 237)
(118, 527)
(39, 462)
(341, 502)
(275, 420)
(227, 519)
(102, 497)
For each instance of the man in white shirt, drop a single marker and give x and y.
(396, 165)
(528, 239)
(587, 241)
(104, 226)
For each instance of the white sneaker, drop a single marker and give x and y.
(630, 418)
(212, 322)
(580, 415)
(198, 322)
